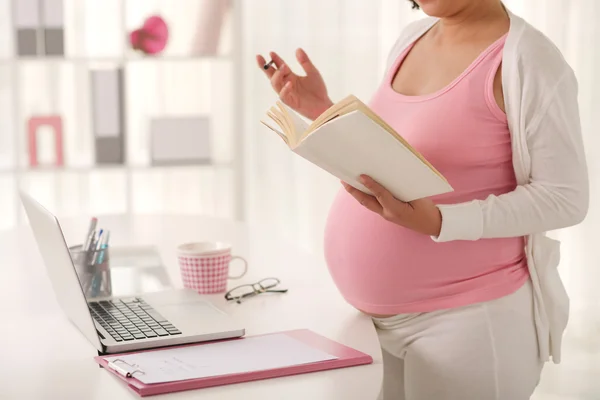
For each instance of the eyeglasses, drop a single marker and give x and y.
(242, 292)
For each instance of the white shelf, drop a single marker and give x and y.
(173, 72)
(126, 59)
(124, 168)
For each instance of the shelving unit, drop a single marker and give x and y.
(179, 82)
(86, 60)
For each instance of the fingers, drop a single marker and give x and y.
(260, 60)
(364, 199)
(277, 80)
(276, 59)
(287, 92)
(305, 62)
(271, 70)
(383, 196)
(280, 78)
(278, 74)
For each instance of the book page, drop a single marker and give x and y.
(298, 125)
(221, 358)
(333, 111)
(281, 135)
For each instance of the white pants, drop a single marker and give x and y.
(485, 351)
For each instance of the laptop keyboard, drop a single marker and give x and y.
(131, 319)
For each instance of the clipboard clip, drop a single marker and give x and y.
(127, 371)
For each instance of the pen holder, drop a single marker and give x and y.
(93, 270)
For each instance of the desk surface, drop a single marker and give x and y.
(44, 356)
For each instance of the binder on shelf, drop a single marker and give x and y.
(27, 24)
(108, 115)
(53, 27)
(161, 371)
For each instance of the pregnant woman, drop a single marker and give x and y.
(462, 287)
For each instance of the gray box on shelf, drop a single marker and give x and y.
(27, 23)
(109, 150)
(108, 115)
(54, 41)
(180, 140)
(27, 42)
(52, 18)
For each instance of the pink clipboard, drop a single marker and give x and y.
(346, 357)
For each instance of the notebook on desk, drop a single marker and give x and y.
(230, 361)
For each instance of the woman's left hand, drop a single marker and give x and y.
(420, 215)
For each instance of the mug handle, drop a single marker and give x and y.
(245, 267)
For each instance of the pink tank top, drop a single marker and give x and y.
(384, 269)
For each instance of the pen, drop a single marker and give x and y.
(90, 232)
(103, 247)
(104, 273)
(96, 247)
(119, 370)
(88, 253)
(266, 66)
(88, 240)
(107, 280)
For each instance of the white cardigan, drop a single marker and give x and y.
(540, 91)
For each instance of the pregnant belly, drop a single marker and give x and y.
(377, 264)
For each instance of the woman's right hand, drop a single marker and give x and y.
(306, 95)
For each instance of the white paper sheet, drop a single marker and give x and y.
(223, 358)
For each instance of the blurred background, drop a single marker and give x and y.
(102, 113)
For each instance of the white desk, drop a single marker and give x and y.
(45, 357)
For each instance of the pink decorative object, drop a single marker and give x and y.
(34, 123)
(152, 37)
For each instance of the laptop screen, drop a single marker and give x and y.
(61, 271)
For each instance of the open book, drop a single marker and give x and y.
(349, 139)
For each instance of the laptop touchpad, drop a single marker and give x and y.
(196, 316)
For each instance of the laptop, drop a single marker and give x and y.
(114, 324)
